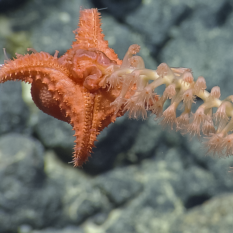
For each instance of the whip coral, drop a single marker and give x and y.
(180, 89)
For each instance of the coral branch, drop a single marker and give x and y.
(180, 88)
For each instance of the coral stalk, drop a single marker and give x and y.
(180, 89)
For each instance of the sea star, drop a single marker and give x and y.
(72, 88)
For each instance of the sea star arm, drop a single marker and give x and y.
(41, 70)
(25, 68)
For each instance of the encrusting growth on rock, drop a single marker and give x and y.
(89, 87)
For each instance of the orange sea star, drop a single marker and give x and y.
(69, 88)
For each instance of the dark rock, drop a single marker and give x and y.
(53, 230)
(149, 208)
(81, 199)
(106, 151)
(154, 19)
(14, 113)
(27, 197)
(203, 48)
(198, 184)
(85, 203)
(19, 152)
(147, 137)
(118, 8)
(56, 135)
(221, 169)
(118, 186)
(56, 32)
(216, 215)
(169, 178)
(7, 5)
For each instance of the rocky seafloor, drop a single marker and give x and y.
(141, 177)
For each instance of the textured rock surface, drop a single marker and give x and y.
(141, 177)
(14, 113)
(27, 196)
